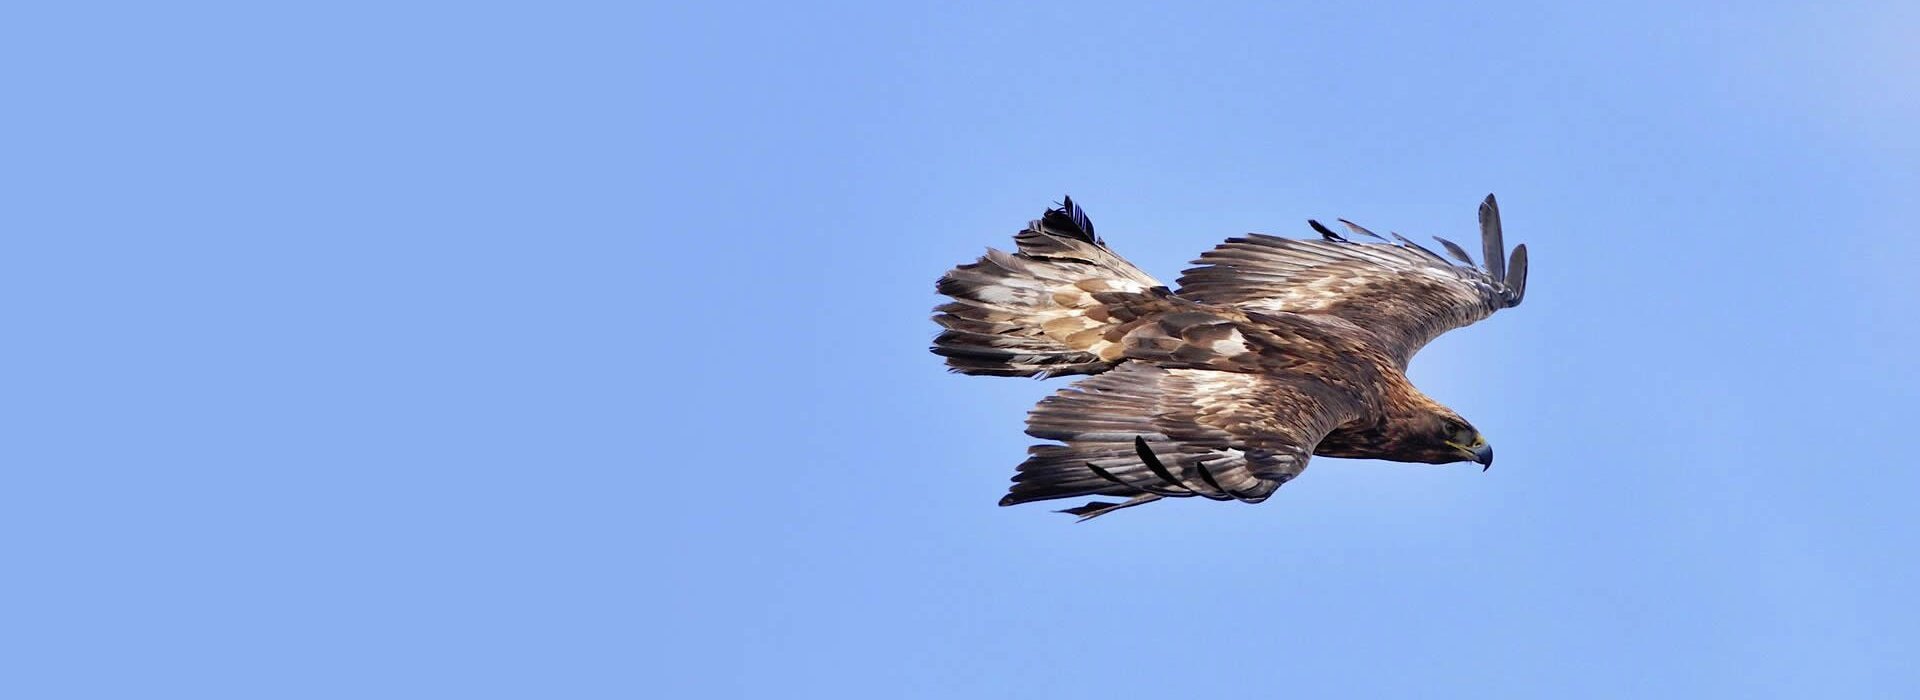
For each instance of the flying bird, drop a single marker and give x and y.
(1270, 351)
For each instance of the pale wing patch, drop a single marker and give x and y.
(1214, 392)
(1233, 346)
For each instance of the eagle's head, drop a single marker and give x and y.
(1445, 437)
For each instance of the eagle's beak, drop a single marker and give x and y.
(1483, 453)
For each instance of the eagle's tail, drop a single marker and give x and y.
(1053, 308)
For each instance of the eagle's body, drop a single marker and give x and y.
(1273, 350)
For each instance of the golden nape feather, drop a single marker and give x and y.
(1271, 350)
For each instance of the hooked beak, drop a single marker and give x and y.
(1479, 451)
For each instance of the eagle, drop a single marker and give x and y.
(1268, 352)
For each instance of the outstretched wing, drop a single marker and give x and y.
(1145, 432)
(1403, 292)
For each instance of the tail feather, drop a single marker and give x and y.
(1041, 311)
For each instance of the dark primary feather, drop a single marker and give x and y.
(1409, 243)
(1517, 274)
(1159, 469)
(1325, 232)
(1456, 251)
(1356, 228)
(1075, 220)
(1094, 509)
(1493, 246)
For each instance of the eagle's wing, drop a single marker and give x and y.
(1406, 294)
(1145, 432)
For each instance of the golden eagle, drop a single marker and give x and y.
(1271, 351)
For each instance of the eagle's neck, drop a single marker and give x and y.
(1396, 414)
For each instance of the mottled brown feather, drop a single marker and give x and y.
(1272, 350)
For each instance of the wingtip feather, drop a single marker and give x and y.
(1325, 232)
(1456, 251)
(1517, 273)
(1492, 248)
(1362, 230)
(1079, 218)
(1410, 244)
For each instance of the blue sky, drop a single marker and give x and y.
(474, 350)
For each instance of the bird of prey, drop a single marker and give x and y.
(1270, 351)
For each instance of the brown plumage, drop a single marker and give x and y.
(1271, 351)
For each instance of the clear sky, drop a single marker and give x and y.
(471, 350)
